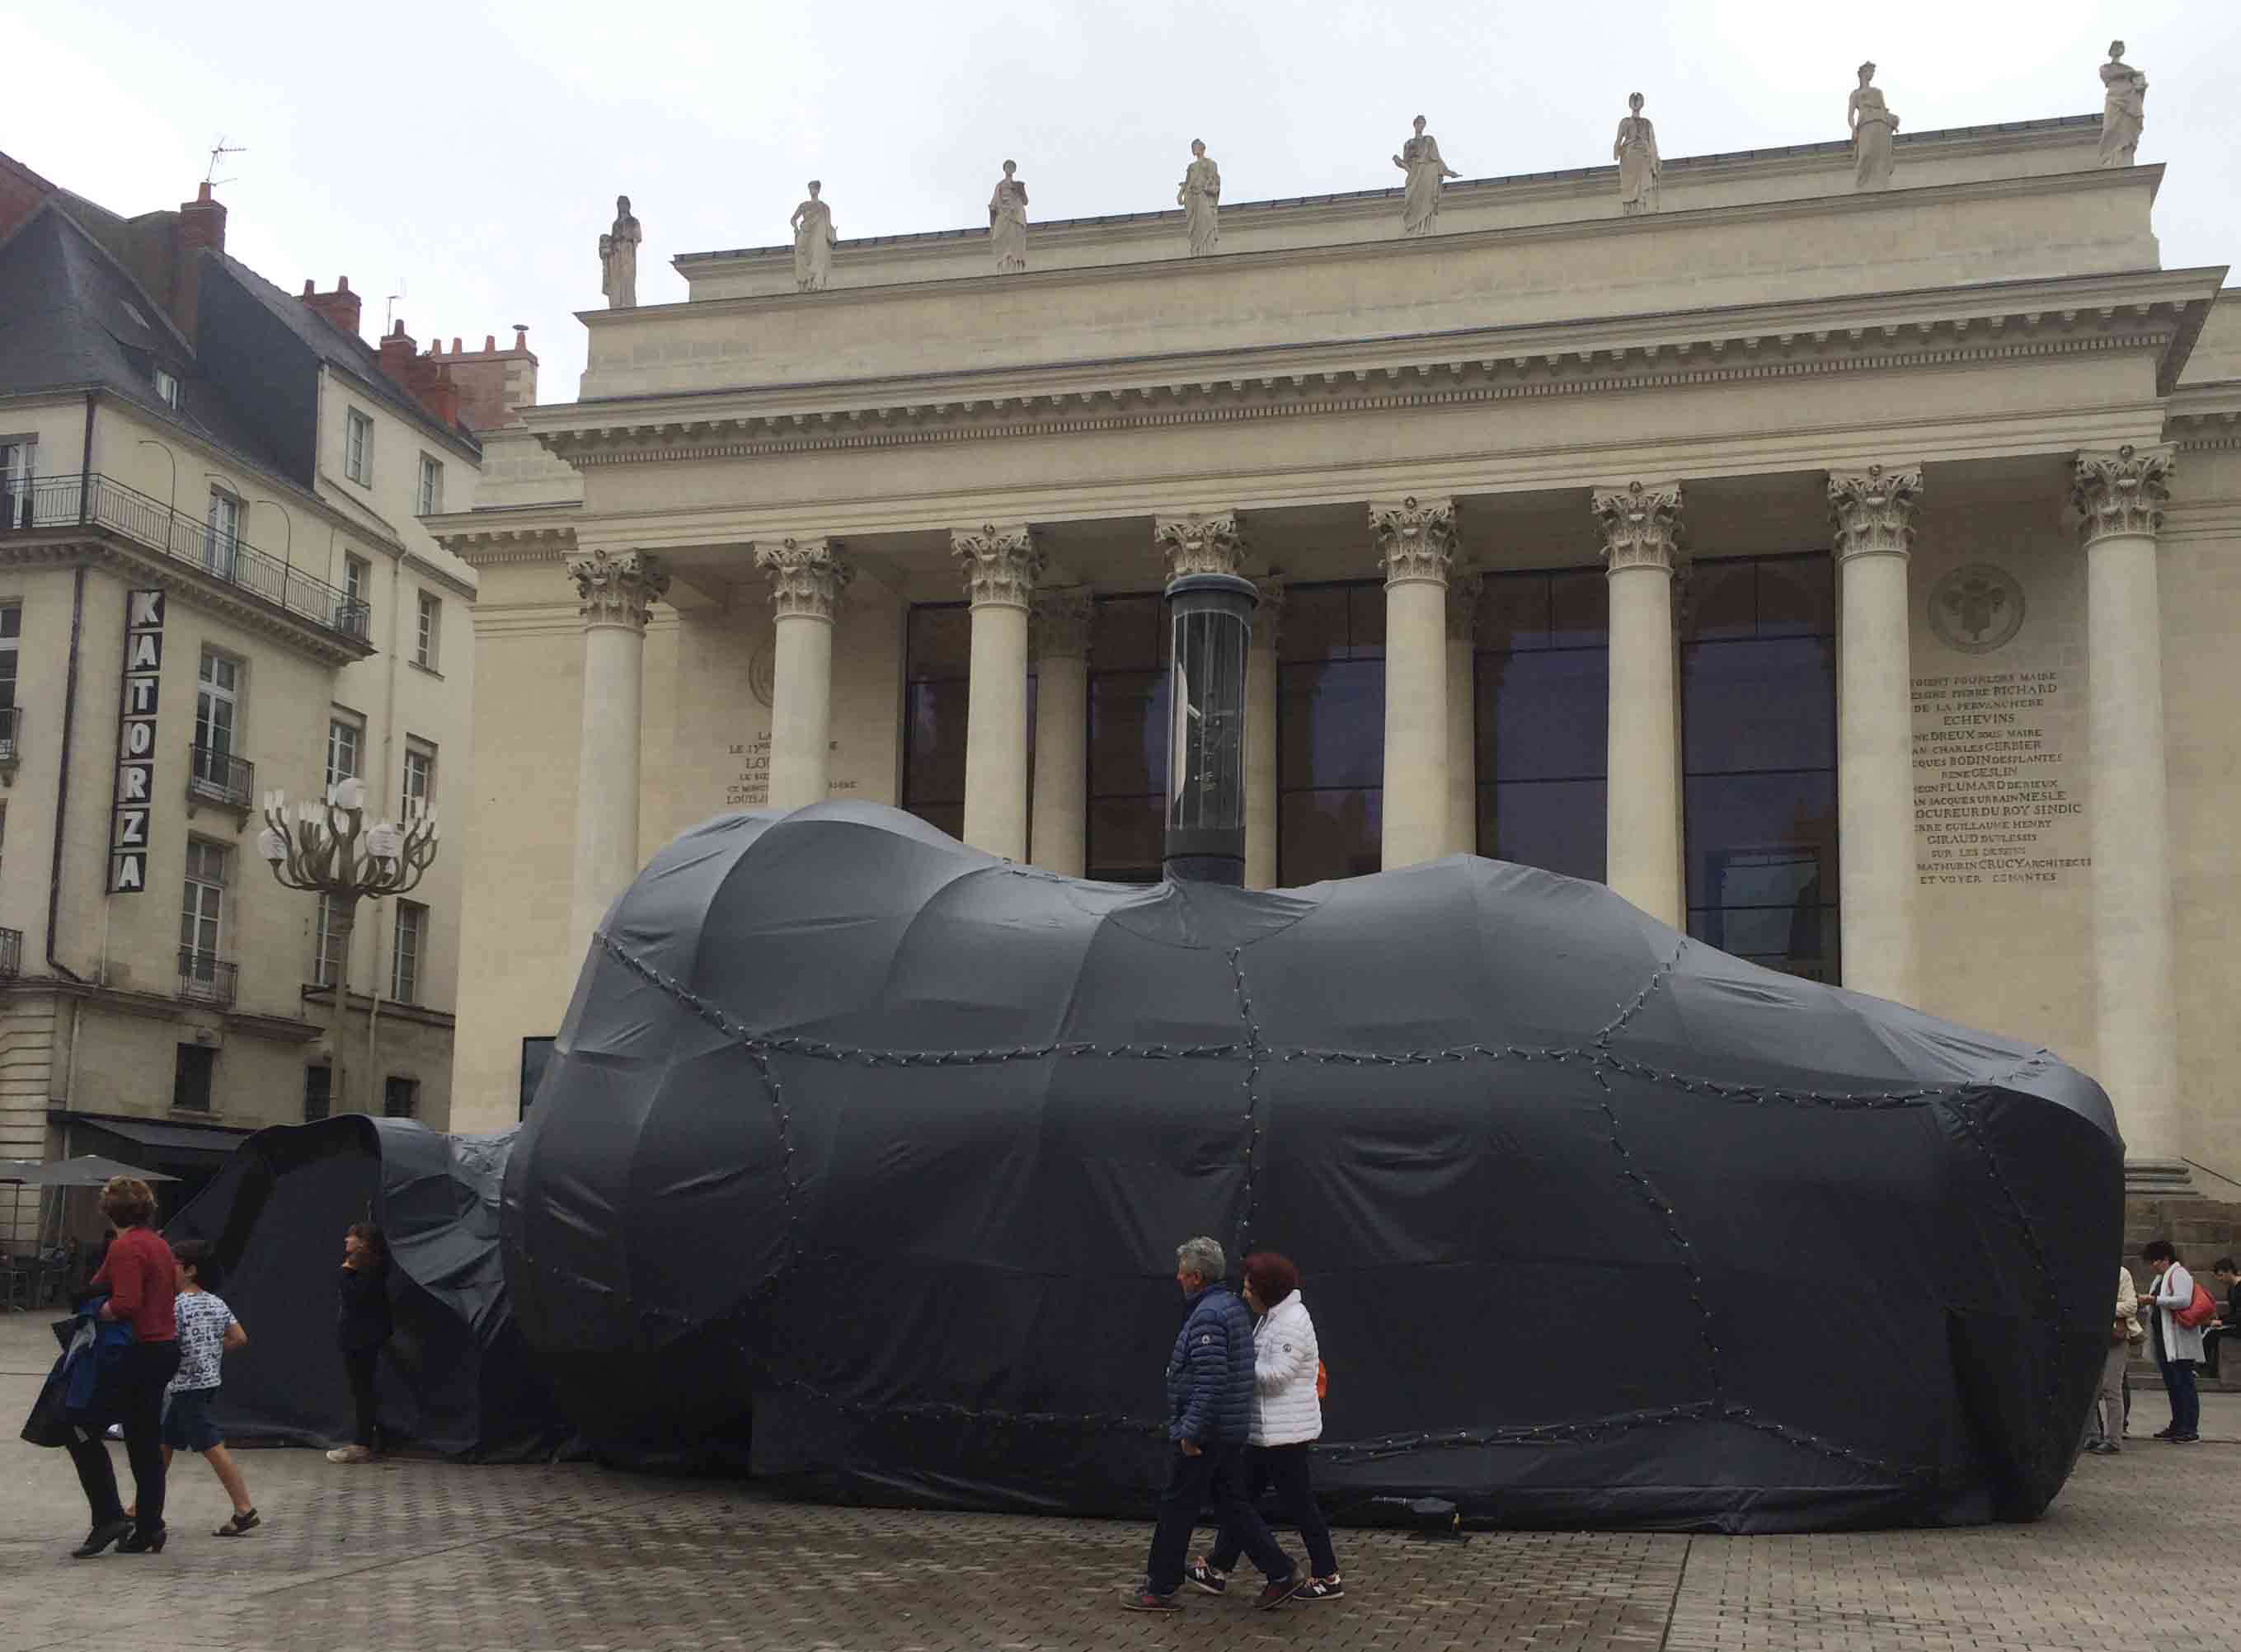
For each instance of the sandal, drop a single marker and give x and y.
(237, 1525)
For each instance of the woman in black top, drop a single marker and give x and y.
(362, 1328)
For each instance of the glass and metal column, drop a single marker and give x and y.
(1212, 614)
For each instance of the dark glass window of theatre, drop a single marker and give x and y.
(1330, 732)
(1758, 715)
(937, 673)
(1128, 697)
(1543, 709)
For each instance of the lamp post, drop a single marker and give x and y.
(327, 846)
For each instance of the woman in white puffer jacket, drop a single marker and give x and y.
(1288, 1418)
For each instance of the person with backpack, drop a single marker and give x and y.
(2182, 1308)
(1288, 1418)
(1210, 1379)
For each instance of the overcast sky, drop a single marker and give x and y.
(470, 154)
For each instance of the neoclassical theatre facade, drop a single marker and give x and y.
(1847, 571)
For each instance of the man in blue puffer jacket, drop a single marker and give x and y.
(1209, 1415)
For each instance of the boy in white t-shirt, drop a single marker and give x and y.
(208, 1331)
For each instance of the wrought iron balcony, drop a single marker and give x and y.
(205, 977)
(47, 503)
(11, 731)
(11, 953)
(219, 777)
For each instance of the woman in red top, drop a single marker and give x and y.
(142, 1283)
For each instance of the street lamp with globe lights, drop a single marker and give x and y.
(329, 848)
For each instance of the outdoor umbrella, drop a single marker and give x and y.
(91, 1170)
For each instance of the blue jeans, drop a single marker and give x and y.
(1217, 1472)
(2185, 1403)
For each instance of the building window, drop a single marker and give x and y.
(19, 464)
(190, 1077)
(11, 640)
(536, 1057)
(222, 538)
(327, 941)
(428, 499)
(404, 956)
(202, 910)
(357, 577)
(358, 448)
(217, 704)
(1126, 821)
(167, 389)
(937, 654)
(318, 1093)
(429, 636)
(1330, 732)
(1758, 722)
(346, 747)
(1543, 712)
(400, 1098)
(419, 777)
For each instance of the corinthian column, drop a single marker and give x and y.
(806, 577)
(1415, 545)
(1463, 588)
(2120, 498)
(1060, 633)
(615, 590)
(999, 564)
(1260, 735)
(1874, 511)
(1642, 530)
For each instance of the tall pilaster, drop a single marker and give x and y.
(1058, 631)
(806, 579)
(1001, 565)
(616, 589)
(1463, 588)
(1416, 546)
(2120, 498)
(1874, 511)
(1642, 530)
(1261, 734)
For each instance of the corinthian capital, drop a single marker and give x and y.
(806, 576)
(1641, 523)
(1210, 543)
(1464, 587)
(1874, 509)
(1058, 624)
(1415, 538)
(1000, 564)
(616, 588)
(2121, 492)
(1268, 616)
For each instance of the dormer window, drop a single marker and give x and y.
(167, 388)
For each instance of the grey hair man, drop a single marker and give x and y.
(1209, 1417)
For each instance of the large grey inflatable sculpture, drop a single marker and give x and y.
(863, 1157)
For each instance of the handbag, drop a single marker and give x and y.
(2199, 1312)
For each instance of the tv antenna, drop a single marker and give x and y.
(218, 151)
(389, 316)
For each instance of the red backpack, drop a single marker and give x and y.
(2199, 1312)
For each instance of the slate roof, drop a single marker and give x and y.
(71, 318)
(344, 352)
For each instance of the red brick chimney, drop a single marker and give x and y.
(491, 383)
(340, 307)
(423, 376)
(202, 224)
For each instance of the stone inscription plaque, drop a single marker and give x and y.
(1995, 798)
(749, 786)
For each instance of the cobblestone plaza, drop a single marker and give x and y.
(574, 1558)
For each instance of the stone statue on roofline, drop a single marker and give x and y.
(1636, 152)
(812, 224)
(2123, 107)
(1007, 221)
(619, 257)
(1420, 159)
(1200, 196)
(1873, 126)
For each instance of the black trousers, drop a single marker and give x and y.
(138, 1403)
(1216, 1473)
(361, 1364)
(1286, 1468)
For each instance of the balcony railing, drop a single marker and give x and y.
(49, 502)
(11, 729)
(206, 978)
(11, 953)
(220, 777)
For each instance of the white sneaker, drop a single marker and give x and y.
(350, 1454)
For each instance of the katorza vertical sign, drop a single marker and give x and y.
(136, 742)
